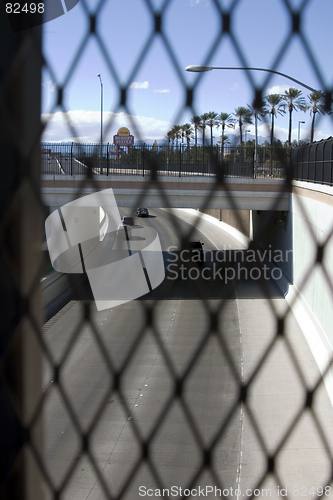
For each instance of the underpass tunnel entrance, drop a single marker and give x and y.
(268, 236)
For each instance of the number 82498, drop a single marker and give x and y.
(16, 8)
(302, 491)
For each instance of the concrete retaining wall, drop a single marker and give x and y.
(308, 285)
(312, 212)
(238, 219)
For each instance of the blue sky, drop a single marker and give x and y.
(156, 94)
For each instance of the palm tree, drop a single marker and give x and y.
(196, 122)
(317, 105)
(204, 119)
(178, 133)
(211, 122)
(258, 110)
(243, 115)
(187, 133)
(295, 102)
(225, 120)
(276, 106)
(170, 136)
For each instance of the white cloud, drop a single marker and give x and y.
(280, 133)
(233, 87)
(278, 89)
(87, 127)
(139, 85)
(162, 91)
(50, 85)
(195, 2)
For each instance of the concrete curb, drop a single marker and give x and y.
(222, 225)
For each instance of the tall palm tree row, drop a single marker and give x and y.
(272, 104)
(211, 119)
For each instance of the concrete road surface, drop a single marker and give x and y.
(211, 336)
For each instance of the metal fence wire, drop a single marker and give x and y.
(202, 387)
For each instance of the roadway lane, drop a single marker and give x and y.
(64, 165)
(150, 359)
(209, 390)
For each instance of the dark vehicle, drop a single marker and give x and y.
(197, 251)
(129, 221)
(142, 212)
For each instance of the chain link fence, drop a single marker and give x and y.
(204, 386)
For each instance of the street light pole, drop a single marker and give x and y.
(201, 69)
(100, 79)
(299, 131)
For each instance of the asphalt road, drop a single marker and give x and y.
(194, 337)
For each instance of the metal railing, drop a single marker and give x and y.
(314, 162)
(178, 160)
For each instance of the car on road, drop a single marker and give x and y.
(197, 251)
(142, 212)
(129, 221)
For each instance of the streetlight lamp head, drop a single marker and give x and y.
(98, 75)
(198, 69)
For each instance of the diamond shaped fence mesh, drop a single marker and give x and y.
(214, 380)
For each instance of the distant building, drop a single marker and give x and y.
(123, 139)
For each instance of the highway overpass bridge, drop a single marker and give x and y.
(171, 192)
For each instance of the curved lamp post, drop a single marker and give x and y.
(100, 79)
(201, 69)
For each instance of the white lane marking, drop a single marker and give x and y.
(239, 470)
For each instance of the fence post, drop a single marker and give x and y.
(331, 164)
(101, 161)
(180, 160)
(72, 159)
(107, 159)
(143, 160)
